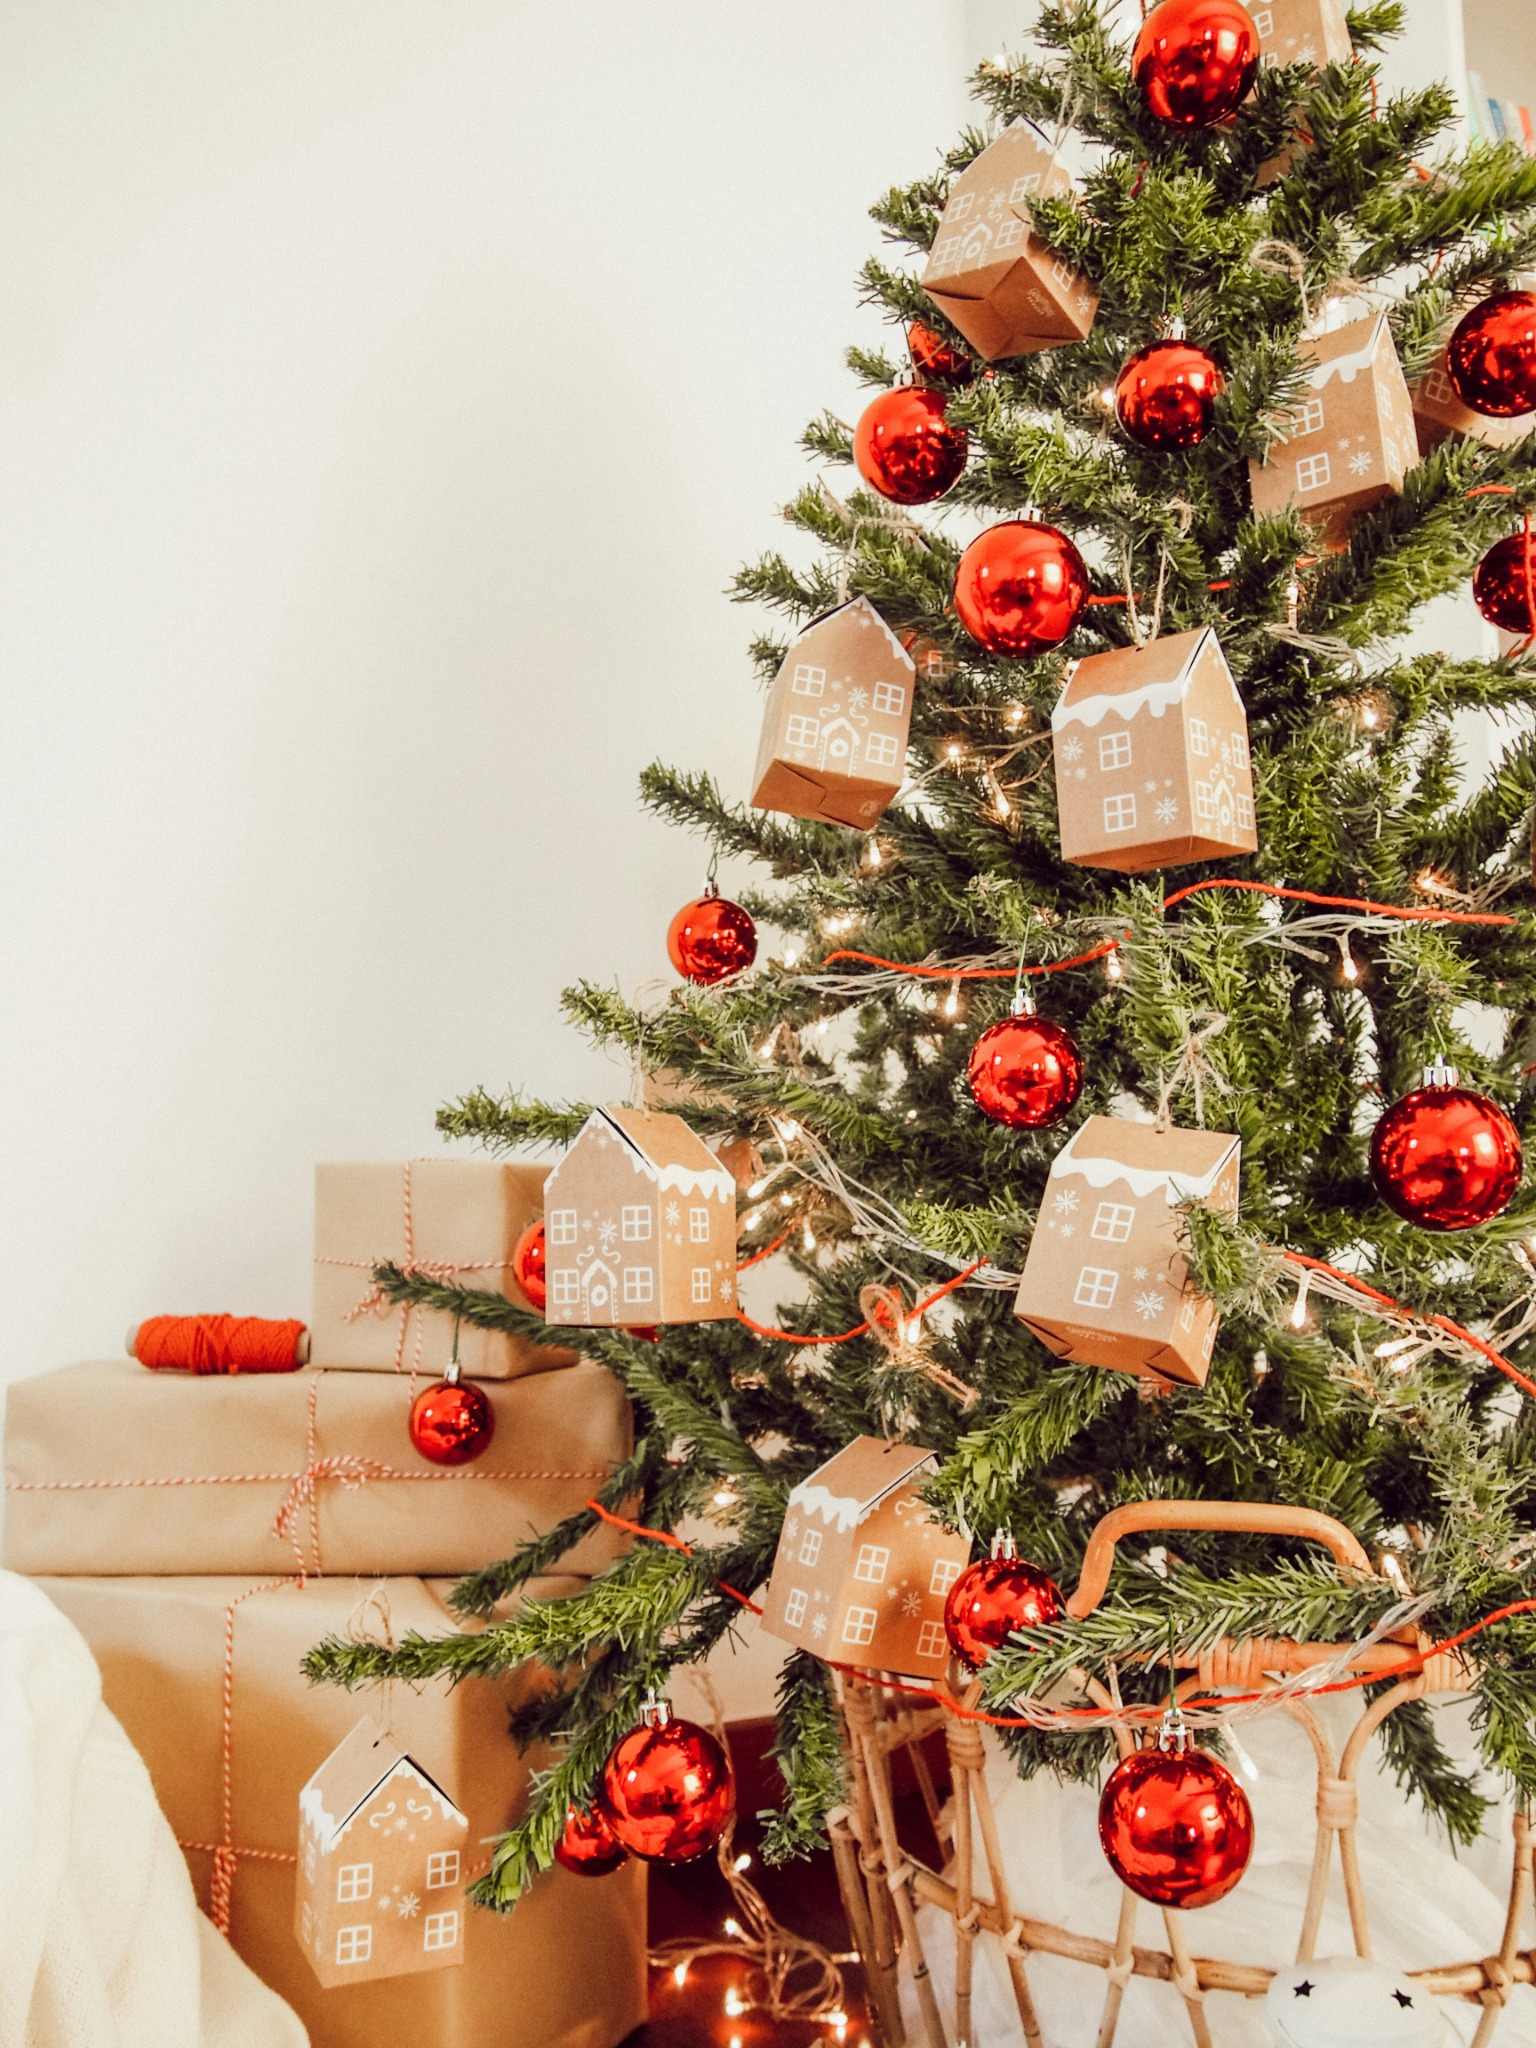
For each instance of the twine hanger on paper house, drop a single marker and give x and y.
(1193, 1068)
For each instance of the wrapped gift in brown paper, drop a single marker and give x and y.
(110, 1468)
(1105, 1282)
(456, 1220)
(566, 1969)
(989, 272)
(862, 1569)
(1439, 413)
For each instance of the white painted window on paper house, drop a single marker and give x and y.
(442, 1868)
(1187, 1313)
(1112, 1221)
(354, 1944)
(638, 1284)
(702, 1290)
(561, 1226)
(1312, 472)
(635, 1222)
(309, 1855)
(1119, 814)
(1199, 737)
(808, 681)
(810, 1546)
(1264, 21)
(881, 750)
(1096, 1287)
(698, 1226)
(1010, 232)
(1438, 387)
(801, 732)
(440, 1930)
(930, 1639)
(1245, 810)
(307, 1924)
(1205, 801)
(1026, 183)
(872, 1564)
(795, 1606)
(564, 1287)
(890, 698)
(354, 1881)
(859, 1625)
(1115, 750)
(945, 1573)
(1240, 756)
(1308, 418)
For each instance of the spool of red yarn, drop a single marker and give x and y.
(226, 1344)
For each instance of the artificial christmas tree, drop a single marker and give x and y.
(1277, 996)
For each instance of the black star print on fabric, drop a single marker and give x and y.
(1301, 1990)
(1402, 1998)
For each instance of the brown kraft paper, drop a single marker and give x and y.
(567, 1967)
(112, 1469)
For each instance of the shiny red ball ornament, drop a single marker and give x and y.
(667, 1788)
(1175, 1824)
(992, 1598)
(1165, 397)
(1504, 588)
(588, 1846)
(938, 360)
(711, 939)
(905, 448)
(1491, 360)
(1195, 61)
(1020, 588)
(528, 1265)
(1025, 1072)
(1445, 1157)
(451, 1421)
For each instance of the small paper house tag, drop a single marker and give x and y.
(1438, 413)
(862, 1570)
(989, 272)
(834, 740)
(1352, 442)
(381, 1865)
(1105, 1282)
(639, 1225)
(1151, 752)
(1302, 32)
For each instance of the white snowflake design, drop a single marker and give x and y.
(858, 697)
(1139, 1273)
(1150, 1304)
(1362, 462)
(608, 1234)
(1067, 1230)
(1065, 1204)
(725, 1287)
(791, 1529)
(674, 1213)
(1167, 810)
(912, 1604)
(1151, 785)
(409, 1906)
(1071, 749)
(818, 1624)
(1081, 774)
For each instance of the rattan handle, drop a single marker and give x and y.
(1252, 1518)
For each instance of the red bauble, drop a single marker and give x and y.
(1445, 1157)
(451, 1422)
(1176, 1826)
(528, 1265)
(711, 939)
(1020, 588)
(588, 1846)
(991, 1599)
(1025, 1072)
(1166, 396)
(1504, 588)
(647, 1332)
(905, 448)
(1196, 60)
(937, 360)
(667, 1789)
(1491, 360)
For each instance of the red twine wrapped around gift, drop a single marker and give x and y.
(220, 1344)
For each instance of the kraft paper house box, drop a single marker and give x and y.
(1105, 1282)
(639, 1225)
(1352, 441)
(451, 1219)
(1438, 413)
(1302, 32)
(989, 272)
(1151, 755)
(834, 737)
(862, 1569)
(382, 1859)
(565, 1970)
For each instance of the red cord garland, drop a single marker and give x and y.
(859, 1329)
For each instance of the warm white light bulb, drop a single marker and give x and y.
(1112, 968)
(952, 1000)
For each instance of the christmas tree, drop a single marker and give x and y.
(1275, 237)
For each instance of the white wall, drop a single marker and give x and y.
(387, 392)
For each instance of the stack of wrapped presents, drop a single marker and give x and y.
(203, 1532)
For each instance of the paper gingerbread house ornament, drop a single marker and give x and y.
(1302, 32)
(639, 1225)
(1105, 1282)
(1352, 441)
(862, 1569)
(834, 741)
(989, 272)
(381, 1865)
(1151, 752)
(1439, 413)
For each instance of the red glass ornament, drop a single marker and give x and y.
(648, 1332)
(588, 1846)
(905, 448)
(1445, 1157)
(1020, 588)
(451, 1421)
(1504, 588)
(1166, 395)
(1196, 60)
(1491, 360)
(992, 1598)
(667, 1789)
(711, 939)
(1176, 1825)
(938, 360)
(1025, 1072)
(528, 1265)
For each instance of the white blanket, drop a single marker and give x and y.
(101, 1941)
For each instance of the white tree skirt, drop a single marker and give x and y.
(1428, 1907)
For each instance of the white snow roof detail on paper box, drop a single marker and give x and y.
(1142, 1180)
(683, 1180)
(1155, 697)
(812, 1499)
(331, 1827)
(867, 615)
(1348, 367)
